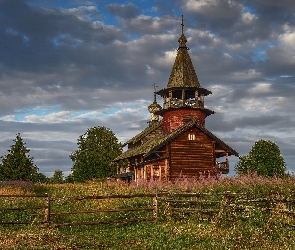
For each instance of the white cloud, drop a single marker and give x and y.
(167, 59)
(55, 117)
(248, 17)
(102, 74)
(8, 118)
(246, 75)
(261, 88)
(83, 12)
(288, 40)
(198, 5)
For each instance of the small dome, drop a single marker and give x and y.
(154, 107)
(182, 41)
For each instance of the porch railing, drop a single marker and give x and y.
(177, 103)
(222, 167)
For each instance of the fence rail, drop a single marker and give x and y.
(152, 208)
(230, 206)
(203, 205)
(25, 208)
(48, 214)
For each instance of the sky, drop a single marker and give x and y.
(69, 65)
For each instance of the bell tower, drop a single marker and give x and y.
(183, 97)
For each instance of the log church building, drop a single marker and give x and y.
(177, 145)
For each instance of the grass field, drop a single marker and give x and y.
(255, 230)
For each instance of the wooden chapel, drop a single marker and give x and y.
(178, 145)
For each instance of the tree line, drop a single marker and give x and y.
(98, 146)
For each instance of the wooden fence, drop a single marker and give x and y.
(46, 210)
(229, 206)
(153, 207)
(204, 206)
(12, 203)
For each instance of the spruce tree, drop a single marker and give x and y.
(18, 165)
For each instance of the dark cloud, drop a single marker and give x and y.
(124, 11)
(272, 10)
(66, 66)
(149, 25)
(44, 40)
(219, 122)
(238, 21)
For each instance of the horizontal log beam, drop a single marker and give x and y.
(104, 197)
(104, 222)
(23, 196)
(22, 208)
(106, 210)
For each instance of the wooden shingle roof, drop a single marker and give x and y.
(183, 73)
(159, 140)
(156, 127)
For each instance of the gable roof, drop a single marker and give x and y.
(152, 128)
(151, 145)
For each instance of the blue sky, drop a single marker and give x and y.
(66, 66)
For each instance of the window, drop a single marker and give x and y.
(191, 137)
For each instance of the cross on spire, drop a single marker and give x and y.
(155, 90)
(182, 39)
(182, 25)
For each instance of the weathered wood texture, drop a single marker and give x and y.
(231, 207)
(157, 170)
(213, 206)
(191, 157)
(48, 213)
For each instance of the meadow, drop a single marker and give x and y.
(249, 229)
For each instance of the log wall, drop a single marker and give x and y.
(191, 157)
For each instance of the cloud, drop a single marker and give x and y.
(214, 9)
(124, 11)
(66, 66)
(143, 24)
(87, 13)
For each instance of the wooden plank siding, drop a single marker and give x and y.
(190, 157)
(155, 171)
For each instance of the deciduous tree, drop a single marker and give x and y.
(57, 178)
(96, 149)
(264, 158)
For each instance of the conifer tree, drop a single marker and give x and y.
(18, 165)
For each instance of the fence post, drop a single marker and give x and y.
(47, 209)
(155, 205)
(230, 215)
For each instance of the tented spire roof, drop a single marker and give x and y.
(183, 74)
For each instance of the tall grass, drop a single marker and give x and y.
(252, 230)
